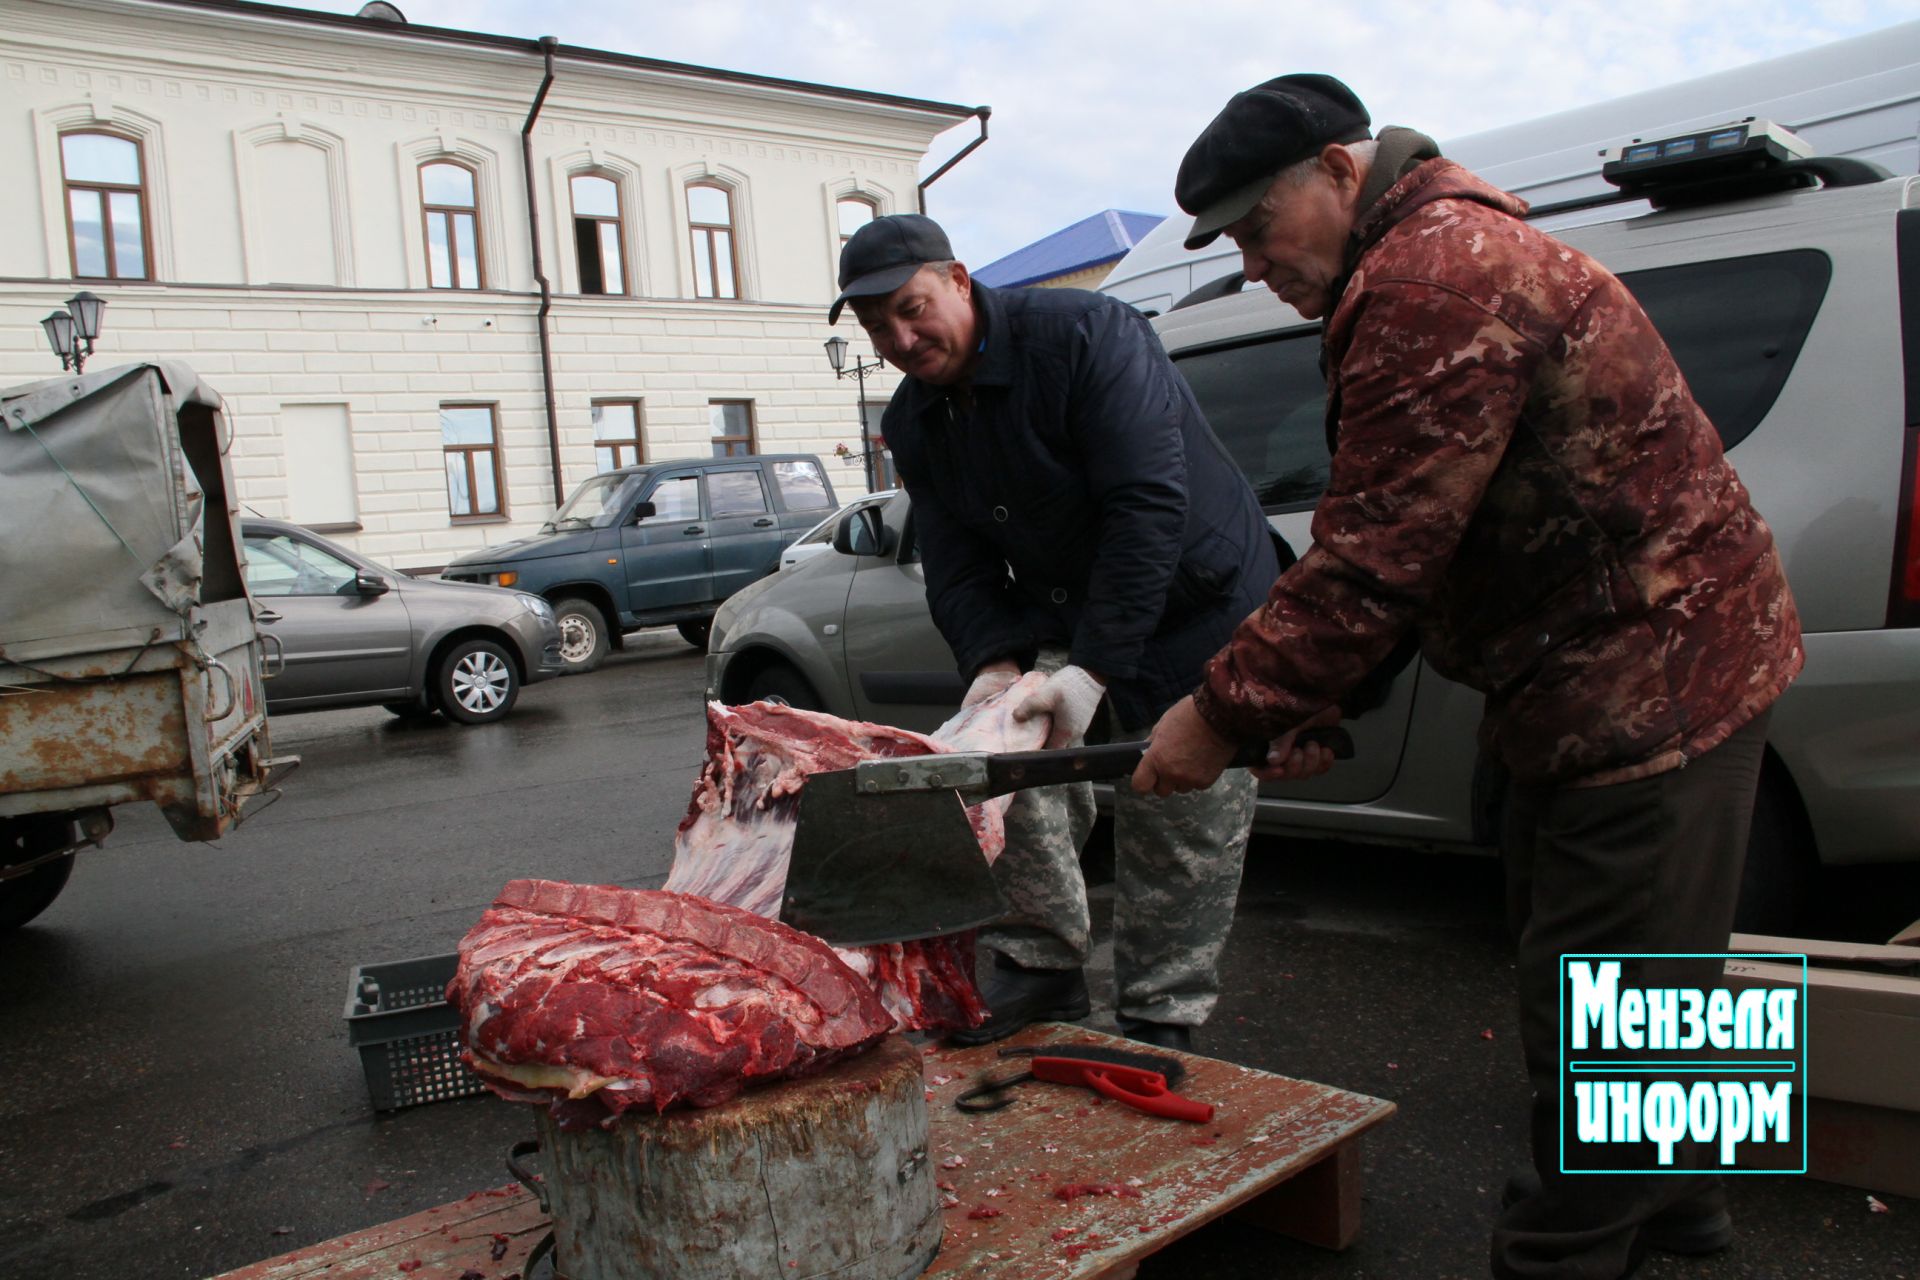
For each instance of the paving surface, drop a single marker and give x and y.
(181, 1098)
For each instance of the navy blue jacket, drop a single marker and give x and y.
(1083, 501)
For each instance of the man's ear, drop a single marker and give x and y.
(962, 282)
(1342, 166)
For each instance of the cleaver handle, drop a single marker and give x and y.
(1017, 770)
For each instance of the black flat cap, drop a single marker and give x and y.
(884, 254)
(1259, 133)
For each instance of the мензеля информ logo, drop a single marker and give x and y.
(1665, 1071)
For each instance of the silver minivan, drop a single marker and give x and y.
(1796, 318)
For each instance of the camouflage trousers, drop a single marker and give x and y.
(1176, 875)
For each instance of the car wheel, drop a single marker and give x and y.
(583, 634)
(781, 683)
(24, 897)
(477, 682)
(409, 710)
(1776, 887)
(695, 632)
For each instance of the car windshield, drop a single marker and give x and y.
(596, 503)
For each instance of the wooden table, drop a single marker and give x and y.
(1280, 1154)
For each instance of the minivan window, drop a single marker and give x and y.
(676, 498)
(802, 487)
(1266, 401)
(1735, 327)
(735, 493)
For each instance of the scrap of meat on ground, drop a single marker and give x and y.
(597, 999)
(734, 843)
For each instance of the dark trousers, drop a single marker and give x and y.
(1646, 866)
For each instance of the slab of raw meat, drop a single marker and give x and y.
(734, 843)
(596, 999)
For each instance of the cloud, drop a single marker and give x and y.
(1093, 105)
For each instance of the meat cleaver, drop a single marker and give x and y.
(883, 852)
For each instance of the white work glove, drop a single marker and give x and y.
(1071, 695)
(993, 679)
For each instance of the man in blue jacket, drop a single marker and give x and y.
(1075, 515)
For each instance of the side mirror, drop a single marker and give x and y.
(370, 584)
(864, 533)
(644, 511)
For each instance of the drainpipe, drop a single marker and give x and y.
(547, 46)
(930, 179)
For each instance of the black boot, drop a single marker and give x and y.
(1161, 1035)
(1695, 1225)
(1016, 997)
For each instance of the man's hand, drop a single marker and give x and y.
(1289, 763)
(1183, 753)
(1071, 695)
(993, 678)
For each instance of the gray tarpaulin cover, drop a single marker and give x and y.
(100, 513)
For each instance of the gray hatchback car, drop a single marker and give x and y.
(343, 631)
(1796, 318)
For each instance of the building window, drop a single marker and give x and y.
(106, 206)
(710, 216)
(320, 489)
(732, 427)
(854, 212)
(453, 229)
(616, 434)
(471, 440)
(596, 234)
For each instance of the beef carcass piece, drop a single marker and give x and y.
(734, 843)
(597, 999)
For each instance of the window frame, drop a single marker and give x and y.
(852, 197)
(429, 209)
(752, 428)
(499, 465)
(638, 440)
(103, 190)
(700, 234)
(619, 221)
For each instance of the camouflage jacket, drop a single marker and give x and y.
(1521, 474)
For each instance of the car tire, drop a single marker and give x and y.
(476, 683)
(25, 897)
(1776, 888)
(780, 682)
(584, 638)
(696, 631)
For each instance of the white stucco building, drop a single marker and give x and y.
(328, 217)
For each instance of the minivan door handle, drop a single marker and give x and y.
(763, 523)
(693, 529)
(266, 615)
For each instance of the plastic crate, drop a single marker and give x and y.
(407, 1034)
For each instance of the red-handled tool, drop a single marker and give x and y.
(1139, 1080)
(1142, 1090)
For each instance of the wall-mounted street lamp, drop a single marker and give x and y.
(871, 449)
(71, 332)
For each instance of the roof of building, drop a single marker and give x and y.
(372, 22)
(1105, 237)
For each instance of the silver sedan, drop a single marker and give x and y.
(344, 631)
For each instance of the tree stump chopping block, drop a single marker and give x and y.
(822, 1176)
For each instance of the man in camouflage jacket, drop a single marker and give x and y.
(1521, 477)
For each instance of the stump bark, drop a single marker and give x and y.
(824, 1176)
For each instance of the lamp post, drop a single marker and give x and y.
(837, 357)
(71, 332)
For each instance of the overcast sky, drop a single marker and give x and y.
(1093, 104)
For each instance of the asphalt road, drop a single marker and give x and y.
(181, 1098)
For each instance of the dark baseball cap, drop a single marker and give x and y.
(884, 254)
(1259, 133)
